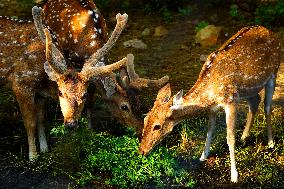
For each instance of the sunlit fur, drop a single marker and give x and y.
(244, 65)
(72, 97)
(78, 27)
(21, 69)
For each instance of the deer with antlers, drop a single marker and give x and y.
(78, 29)
(244, 65)
(24, 68)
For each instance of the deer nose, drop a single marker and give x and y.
(71, 125)
(142, 152)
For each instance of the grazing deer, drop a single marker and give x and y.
(125, 103)
(244, 65)
(21, 68)
(78, 30)
(73, 94)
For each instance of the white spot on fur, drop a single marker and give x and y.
(93, 36)
(93, 43)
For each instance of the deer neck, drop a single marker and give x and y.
(197, 101)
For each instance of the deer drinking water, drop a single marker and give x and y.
(244, 65)
(79, 29)
(23, 67)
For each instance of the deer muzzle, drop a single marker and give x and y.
(71, 125)
(144, 150)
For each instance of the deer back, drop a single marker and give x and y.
(77, 27)
(241, 67)
(21, 53)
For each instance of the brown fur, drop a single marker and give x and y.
(79, 30)
(245, 64)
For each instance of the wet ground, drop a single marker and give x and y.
(174, 54)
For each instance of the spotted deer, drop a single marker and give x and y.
(78, 30)
(125, 102)
(244, 65)
(71, 97)
(24, 68)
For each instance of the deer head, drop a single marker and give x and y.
(161, 112)
(166, 113)
(72, 85)
(125, 102)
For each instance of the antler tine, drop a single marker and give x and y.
(53, 55)
(120, 25)
(103, 70)
(37, 15)
(140, 83)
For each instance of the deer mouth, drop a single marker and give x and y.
(143, 152)
(145, 149)
(71, 125)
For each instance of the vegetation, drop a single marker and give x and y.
(264, 13)
(270, 14)
(201, 25)
(267, 13)
(88, 157)
(91, 158)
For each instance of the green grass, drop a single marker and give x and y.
(91, 158)
(258, 166)
(114, 160)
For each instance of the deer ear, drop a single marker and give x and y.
(53, 55)
(164, 93)
(53, 75)
(122, 79)
(177, 101)
(58, 59)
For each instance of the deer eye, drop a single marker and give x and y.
(85, 95)
(59, 93)
(157, 127)
(166, 99)
(124, 107)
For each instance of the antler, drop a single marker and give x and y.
(54, 57)
(136, 82)
(37, 15)
(103, 70)
(93, 60)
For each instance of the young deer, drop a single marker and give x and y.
(245, 64)
(21, 68)
(79, 29)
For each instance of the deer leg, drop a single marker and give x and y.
(40, 125)
(90, 104)
(231, 116)
(211, 128)
(269, 91)
(253, 107)
(28, 109)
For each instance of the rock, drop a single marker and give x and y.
(146, 32)
(203, 57)
(214, 18)
(135, 43)
(160, 31)
(183, 47)
(208, 36)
